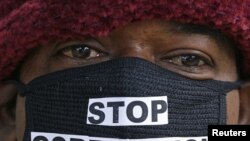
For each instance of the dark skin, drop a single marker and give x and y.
(195, 56)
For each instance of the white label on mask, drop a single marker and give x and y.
(128, 111)
(40, 136)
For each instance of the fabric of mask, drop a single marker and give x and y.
(122, 99)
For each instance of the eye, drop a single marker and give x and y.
(188, 60)
(81, 51)
(190, 63)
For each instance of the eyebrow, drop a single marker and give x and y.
(214, 33)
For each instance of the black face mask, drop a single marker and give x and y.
(126, 98)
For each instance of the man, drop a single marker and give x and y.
(124, 70)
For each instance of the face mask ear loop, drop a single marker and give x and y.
(225, 87)
(21, 87)
(233, 86)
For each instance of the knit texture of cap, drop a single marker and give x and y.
(26, 24)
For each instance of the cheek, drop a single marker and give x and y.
(20, 117)
(232, 107)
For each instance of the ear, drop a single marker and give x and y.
(244, 93)
(7, 111)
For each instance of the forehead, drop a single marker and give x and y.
(145, 27)
(153, 27)
(161, 30)
(143, 30)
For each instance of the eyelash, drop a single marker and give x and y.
(201, 64)
(90, 52)
(190, 61)
(178, 60)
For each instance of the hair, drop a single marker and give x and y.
(220, 38)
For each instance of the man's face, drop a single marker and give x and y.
(195, 56)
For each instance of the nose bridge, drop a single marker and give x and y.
(133, 41)
(134, 48)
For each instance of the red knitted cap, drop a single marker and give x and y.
(24, 24)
